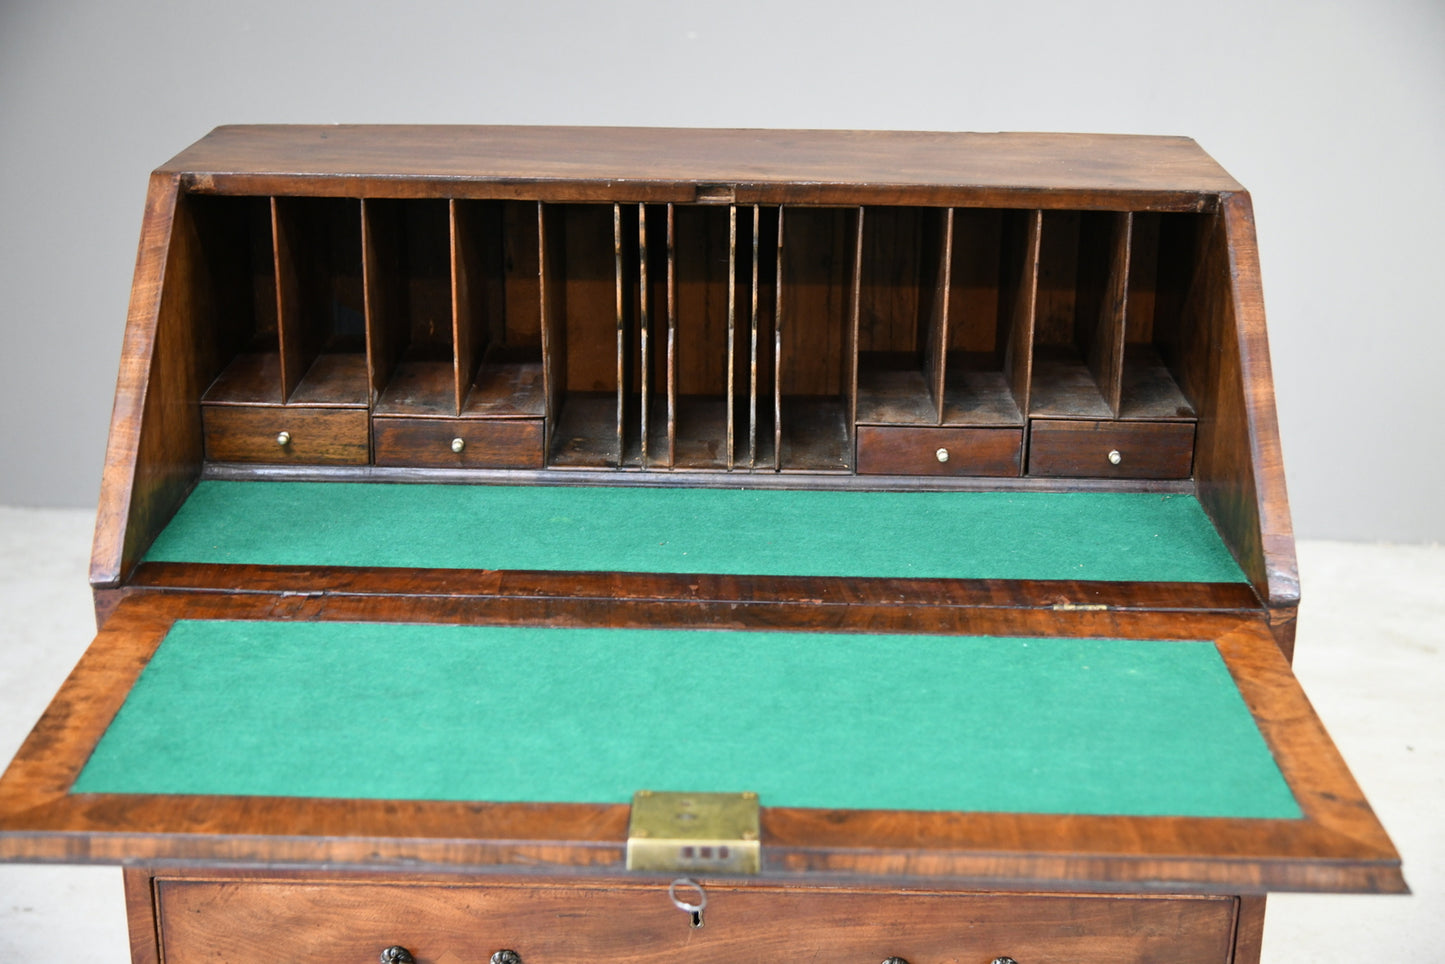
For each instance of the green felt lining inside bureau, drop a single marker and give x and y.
(963, 535)
(443, 712)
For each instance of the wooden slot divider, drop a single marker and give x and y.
(554, 345)
(380, 357)
(1106, 347)
(620, 283)
(849, 374)
(855, 295)
(939, 323)
(778, 350)
(643, 333)
(732, 334)
(288, 303)
(463, 357)
(1018, 357)
(671, 337)
(753, 343)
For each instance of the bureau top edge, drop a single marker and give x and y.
(709, 166)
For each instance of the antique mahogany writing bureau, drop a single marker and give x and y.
(544, 545)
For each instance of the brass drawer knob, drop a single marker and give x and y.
(283, 439)
(942, 455)
(458, 444)
(1114, 459)
(396, 954)
(506, 956)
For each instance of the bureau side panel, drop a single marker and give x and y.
(1226, 366)
(154, 452)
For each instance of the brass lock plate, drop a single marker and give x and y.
(694, 832)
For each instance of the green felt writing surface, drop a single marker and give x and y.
(964, 535)
(436, 712)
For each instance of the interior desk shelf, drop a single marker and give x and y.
(913, 499)
(712, 337)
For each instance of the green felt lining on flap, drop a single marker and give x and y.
(963, 535)
(442, 712)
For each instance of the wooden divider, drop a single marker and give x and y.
(288, 303)
(1018, 359)
(554, 341)
(754, 322)
(671, 337)
(842, 456)
(778, 287)
(1107, 238)
(623, 368)
(936, 354)
(466, 308)
(644, 333)
(732, 334)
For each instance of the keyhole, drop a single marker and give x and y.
(693, 909)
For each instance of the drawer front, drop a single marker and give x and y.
(900, 450)
(312, 436)
(451, 443)
(335, 922)
(1111, 450)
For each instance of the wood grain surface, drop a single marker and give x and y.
(1076, 448)
(1337, 845)
(1118, 172)
(344, 920)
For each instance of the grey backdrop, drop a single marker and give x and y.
(1330, 112)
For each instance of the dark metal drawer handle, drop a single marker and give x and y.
(396, 954)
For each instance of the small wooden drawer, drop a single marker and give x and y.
(459, 443)
(285, 434)
(1110, 450)
(906, 450)
(333, 922)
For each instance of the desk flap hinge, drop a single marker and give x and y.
(686, 833)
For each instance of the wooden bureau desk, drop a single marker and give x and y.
(556, 545)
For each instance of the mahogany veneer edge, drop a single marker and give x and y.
(1337, 846)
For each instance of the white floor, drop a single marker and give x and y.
(1371, 633)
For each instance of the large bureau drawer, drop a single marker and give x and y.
(341, 921)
